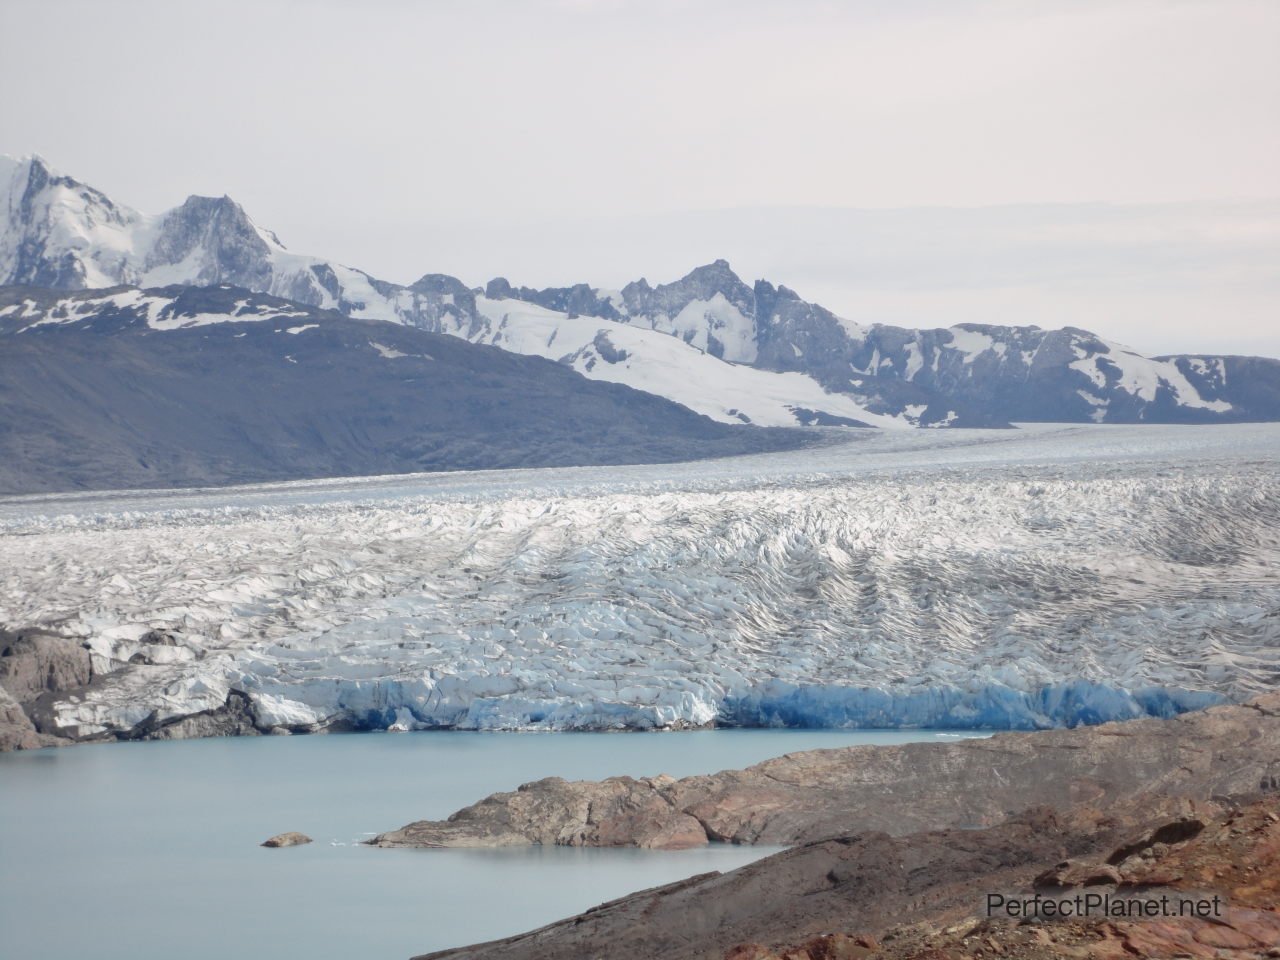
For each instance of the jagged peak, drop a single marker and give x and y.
(33, 172)
(32, 161)
(199, 202)
(440, 283)
(994, 328)
(716, 270)
(197, 206)
(499, 288)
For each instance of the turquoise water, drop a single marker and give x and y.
(149, 851)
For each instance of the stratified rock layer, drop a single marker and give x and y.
(803, 797)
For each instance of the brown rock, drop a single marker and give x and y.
(16, 730)
(1071, 873)
(34, 663)
(291, 839)
(921, 895)
(821, 793)
(800, 895)
(839, 946)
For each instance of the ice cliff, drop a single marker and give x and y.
(1048, 577)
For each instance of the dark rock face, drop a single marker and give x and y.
(806, 796)
(233, 719)
(971, 375)
(217, 229)
(105, 400)
(34, 663)
(578, 300)
(17, 732)
(34, 666)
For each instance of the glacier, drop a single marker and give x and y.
(1048, 576)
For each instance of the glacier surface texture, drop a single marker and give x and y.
(1052, 575)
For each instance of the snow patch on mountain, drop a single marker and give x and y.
(59, 233)
(706, 323)
(651, 360)
(157, 309)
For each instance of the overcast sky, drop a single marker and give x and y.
(1112, 164)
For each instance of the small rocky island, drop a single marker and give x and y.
(290, 839)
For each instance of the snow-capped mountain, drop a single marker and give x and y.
(60, 233)
(183, 385)
(737, 353)
(988, 372)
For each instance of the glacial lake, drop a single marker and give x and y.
(150, 851)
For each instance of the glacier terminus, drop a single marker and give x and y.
(1049, 576)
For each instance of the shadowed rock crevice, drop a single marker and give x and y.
(235, 718)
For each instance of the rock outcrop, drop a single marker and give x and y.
(1234, 856)
(33, 663)
(870, 896)
(807, 796)
(34, 666)
(17, 732)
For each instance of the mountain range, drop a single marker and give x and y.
(737, 353)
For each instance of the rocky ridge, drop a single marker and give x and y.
(871, 896)
(1203, 818)
(191, 386)
(804, 797)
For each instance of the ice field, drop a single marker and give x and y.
(1052, 575)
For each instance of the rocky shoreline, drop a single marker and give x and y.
(1148, 806)
(890, 846)
(809, 796)
(869, 896)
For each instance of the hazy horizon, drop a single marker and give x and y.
(1107, 165)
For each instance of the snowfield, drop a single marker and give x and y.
(1052, 575)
